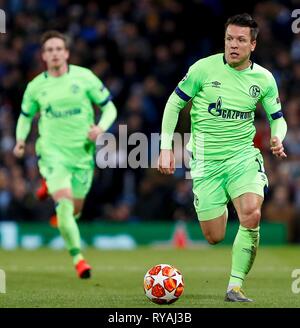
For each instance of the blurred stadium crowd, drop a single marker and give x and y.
(141, 49)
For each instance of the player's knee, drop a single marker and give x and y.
(62, 194)
(251, 218)
(78, 206)
(214, 239)
(77, 211)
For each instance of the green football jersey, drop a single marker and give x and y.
(66, 114)
(223, 105)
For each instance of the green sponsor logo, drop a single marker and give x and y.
(216, 109)
(51, 113)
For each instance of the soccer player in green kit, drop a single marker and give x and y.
(64, 95)
(224, 90)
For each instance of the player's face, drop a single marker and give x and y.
(55, 53)
(238, 45)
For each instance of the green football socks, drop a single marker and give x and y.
(243, 255)
(68, 228)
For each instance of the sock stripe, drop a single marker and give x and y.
(236, 277)
(74, 251)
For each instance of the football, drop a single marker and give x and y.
(163, 284)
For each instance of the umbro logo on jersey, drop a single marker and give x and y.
(215, 84)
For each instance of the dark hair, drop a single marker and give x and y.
(55, 34)
(244, 20)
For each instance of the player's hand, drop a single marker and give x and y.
(277, 148)
(166, 162)
(94, 132)
(19, 149)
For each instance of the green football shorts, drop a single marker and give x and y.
(215, 182)
(59, 176)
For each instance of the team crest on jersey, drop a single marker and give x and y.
(254, 91)
(74, 88)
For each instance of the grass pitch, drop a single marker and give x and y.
(46, 279)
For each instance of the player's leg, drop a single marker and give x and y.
(247, 192)
(59, 184)
(245, 244)
(214, 229)
(248, 207)
(42, 193)
(210, 201)
(78, 206)
(66, 222)
(69, 230)
(81, 183)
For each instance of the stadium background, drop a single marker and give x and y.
(141, 49)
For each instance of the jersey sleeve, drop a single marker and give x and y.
(190, 85)
(97, 92)
(109, 115)
(271, 101)
(170, 117)
(272, 107)
(29, 105)
(29, 108)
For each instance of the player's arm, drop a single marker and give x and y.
(278, 132)
(109, 114)
(100, 95)
(28, 110)
(175, 104)
(272, 106)
(183, 93)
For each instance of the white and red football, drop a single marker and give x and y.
(163, 284)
